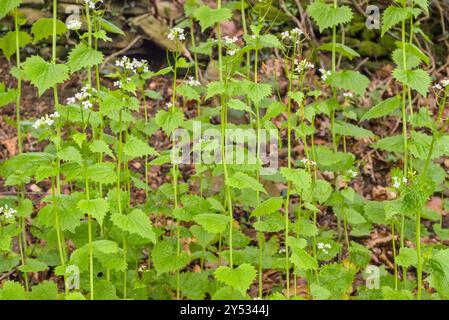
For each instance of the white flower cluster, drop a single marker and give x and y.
(119, 83)
(134, 65)
(92, 4)
(47, 120)
(292, 35)
(73, 24)
(398, 182)
(233, 52)
(308, 162)
(176, 34)
(229, 40)
(324, 247)
(348, 95)
(303, 65)
(169, 105)
(441, 85)
(7, 211)
(351, 173)
(193, 82)
(324, 74)
(83, 97)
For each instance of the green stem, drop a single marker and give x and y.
(228, 199)
(393, 242)
(90, 236)
(19, 80)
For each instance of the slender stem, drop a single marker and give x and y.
(19, 80)
(228, 199)
(393, 242)
(90, 236)
(89, 40)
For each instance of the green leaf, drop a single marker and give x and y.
(268, 41)
(417, 79)
(302, 260)
(7, 97)
(43, 28)
(215, 88)
(82, 57)
(97, 208)
(389, 293)
(326, 16)
(239, 105)
(79, 138)
(188, 92)
(268, 206)
(137, 222)
(300, 178)
(208, 17)
(321, 190)
(241, 180)
(99, 146)
(44, 75)
(69, 214)
(318, 292)
(102, 173)
(7, 6)
(392, 16)
(165, 258)
(70, 154)
(12, 291)
(239, 278)
(8, 42)
(341, 49)
(348, 129)
(110, 27)
(136, 148)
(383, 108)
(46, 290)
(349, 80)
(33, 265)
(212, 222)
(407, 257)
(256, 92)
(169, 120)
(391, 144)
(411, 61)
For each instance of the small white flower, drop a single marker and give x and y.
(91, 4)
(445, 82)
(118, 84)
(71, 100)
(73, 24)
(292, 35)
(303, 65)
(285, 35)
(351, 173)
(192, 82)
(47, 120)
(169, 105)
(233, 51)
(437, 86)
(7, 211)
(176, 34)
(324, 247)
(229, 40)
(324, 74)
(86, 105)
(348, 95)
(398, 182)
(307, 162)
